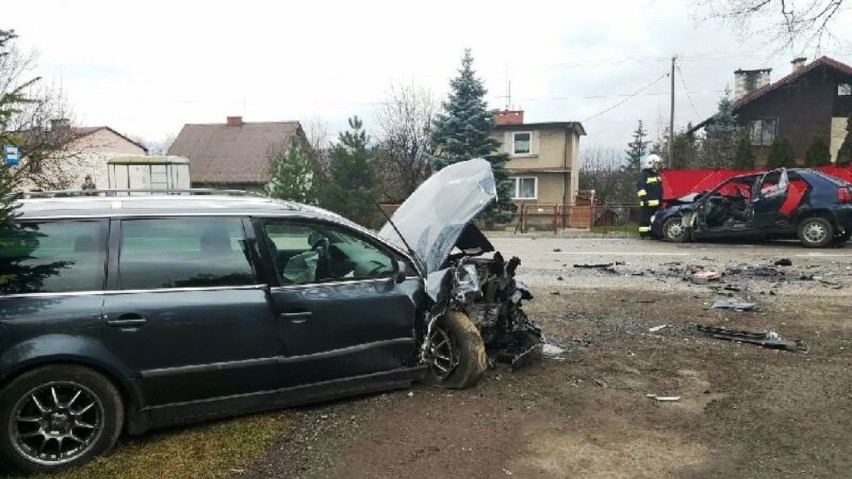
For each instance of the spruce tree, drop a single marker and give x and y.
(351, 186)
(462, 131)
(817, 153)
(844, 155)
(744, 156)
(721, 135)
(637, 149)
(781, 154)
(293, 179)
(11, 100)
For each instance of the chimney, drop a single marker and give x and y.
(510, 117)
(747, 81)
(60, 124)
(798, 63)
(235, 121)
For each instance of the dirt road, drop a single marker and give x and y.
(744, 411)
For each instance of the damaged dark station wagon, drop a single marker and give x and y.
(802, 204)
(126, 313)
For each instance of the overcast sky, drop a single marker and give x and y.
(146, 68)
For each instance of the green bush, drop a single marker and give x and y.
(818, 153)
(781, 154)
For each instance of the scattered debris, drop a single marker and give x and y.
(638, 273)
(828, 282)
(701, 276)
(506, 472)
(551, 350)
(639, 301)
(784, 262)
(733, 304)
(595, 265)
(557, 250)
(663, 398)
(657, 328)
(599, 382)
(559, 278)
(770, 339)
(410, 394)
(555, 293)
(732, 287)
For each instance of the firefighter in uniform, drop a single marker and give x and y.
(649, 189)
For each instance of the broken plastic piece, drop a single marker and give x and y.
(769, 339)
(663, 398)
(733, 304)
(657, 328)
(698, 275)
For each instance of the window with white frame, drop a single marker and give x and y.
(762, 132)
(525, 188)
(521, 143)
(844, 89)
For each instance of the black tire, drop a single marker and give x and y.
(93, 429)
(468, 359)
(816, 232)
(673, 225)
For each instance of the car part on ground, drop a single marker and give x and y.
(734, 305)
(769, 339)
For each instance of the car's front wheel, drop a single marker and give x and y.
(674, 230)
(815, 232)
(456, 352)
(56, 417)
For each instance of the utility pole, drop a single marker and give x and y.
(671, 116)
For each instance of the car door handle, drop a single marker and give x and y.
(130, 320)
(297, 317)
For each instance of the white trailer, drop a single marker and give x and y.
(149, 173)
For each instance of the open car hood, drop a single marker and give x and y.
(434, 217)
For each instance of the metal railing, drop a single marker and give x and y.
(139, 192)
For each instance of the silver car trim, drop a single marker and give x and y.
(133, 291)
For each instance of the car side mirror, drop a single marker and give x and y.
(401, 271)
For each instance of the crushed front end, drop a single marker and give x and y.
(486, 290)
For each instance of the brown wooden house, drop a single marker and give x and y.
(814, 100)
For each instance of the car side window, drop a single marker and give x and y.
(305, 253)
(183, 253)
(52, 257)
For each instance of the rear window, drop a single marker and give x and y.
(183, 253)
(52, 257)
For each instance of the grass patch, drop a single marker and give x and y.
(210, 450)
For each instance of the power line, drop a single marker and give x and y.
(683, 81)
(637, 92)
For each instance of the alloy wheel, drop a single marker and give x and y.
(443, 357)
(56, 423)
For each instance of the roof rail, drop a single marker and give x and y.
(84, 193)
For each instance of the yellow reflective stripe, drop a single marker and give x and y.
(653, 179)
(641, 203)
(644, 229)
(653, 202)
(641, 193)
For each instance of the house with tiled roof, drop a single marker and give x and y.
(62, 156)
(813, 101)
(234, 154)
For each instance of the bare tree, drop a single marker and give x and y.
(405, 147)
(603, 169)
(788, 22)
(40, 126)
(157, 147)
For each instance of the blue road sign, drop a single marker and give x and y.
(11, 155)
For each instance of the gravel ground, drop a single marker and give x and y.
(744, 411)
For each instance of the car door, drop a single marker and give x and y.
(770, 192)
(185, 310)
(340, 311)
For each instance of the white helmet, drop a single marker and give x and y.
(652, 161)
